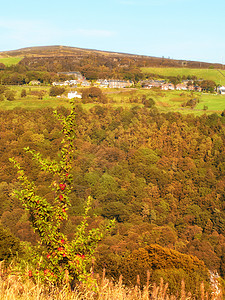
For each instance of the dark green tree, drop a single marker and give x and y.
(9, 245)
(149, 103)
(93, 94)
(56, 91)
(10, 95)
(23, 93)
(2, 66)
(208, 85)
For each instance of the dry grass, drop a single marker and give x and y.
(15, 287)
(163, 104)
(178, 99)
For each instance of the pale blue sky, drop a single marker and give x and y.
(179, 29)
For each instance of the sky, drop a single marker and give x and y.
(178, 29)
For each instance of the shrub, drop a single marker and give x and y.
(2, 66)
(56, 91)
(165, 263)
(9, 245)
(10, 95)
(149, 103)
(2, 89)
(23, 93)
(93, 94)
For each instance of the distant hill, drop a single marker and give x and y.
(80, 53)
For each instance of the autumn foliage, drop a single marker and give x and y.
(58, 261)
(160, 175)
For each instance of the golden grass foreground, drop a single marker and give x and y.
(16, 287)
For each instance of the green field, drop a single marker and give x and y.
(35, 104)
(208, 74)
(214, 102)
(8, 61)
(170, 101)
(32, 101)
(166, 101)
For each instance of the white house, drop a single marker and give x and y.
(72, 95)
(114, 83)
(167, 86)
(181, 87)
(221, 90)
(34, 82)
(72, 82)
(104, 83)
(85, 83)
(59, 83)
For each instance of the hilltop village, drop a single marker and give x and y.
(165, 85)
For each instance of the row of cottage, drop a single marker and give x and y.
(80, 80)
(185, 85)
(114, 83)
(104, 83)
(163, 85)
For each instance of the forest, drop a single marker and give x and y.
(159, 175)
(153, 161)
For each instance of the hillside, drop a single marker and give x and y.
(207, 74)
(65, 51)
(47, 64)
(150, 159)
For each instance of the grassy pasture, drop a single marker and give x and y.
(208, 74)
(31, 101)
(214, 102)
(171, 101)
(33, 104)
(166, 101)
(8, 61)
